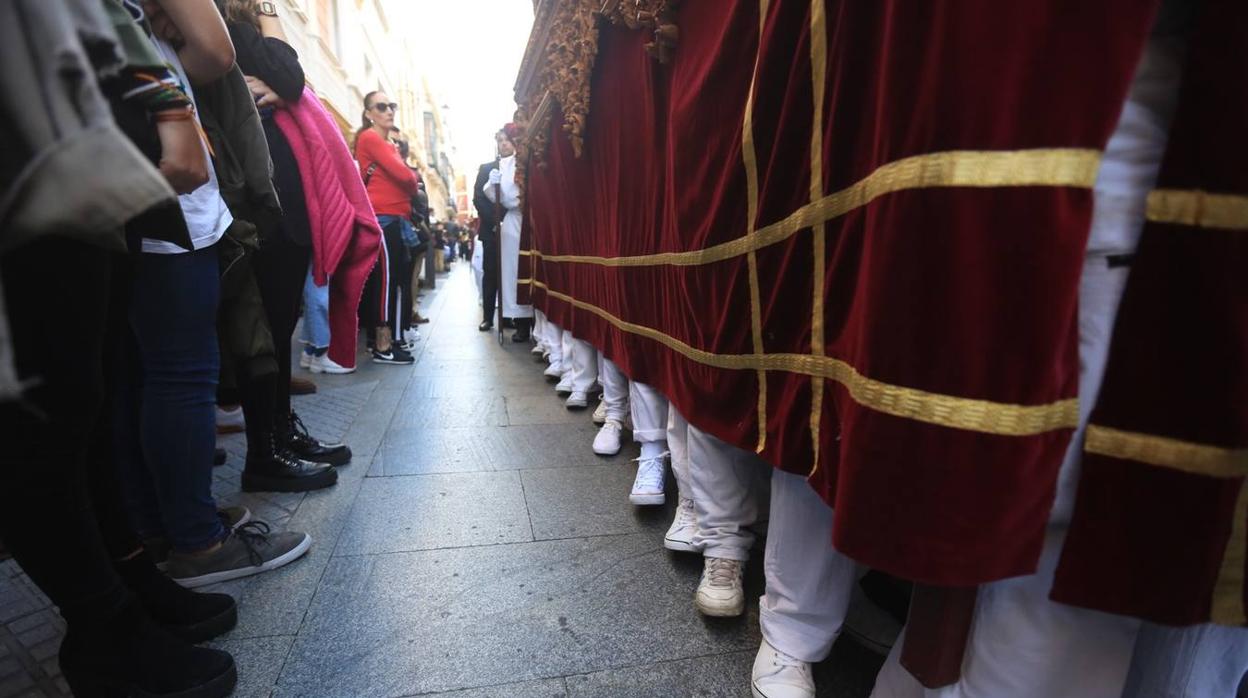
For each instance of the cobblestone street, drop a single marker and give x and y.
(474, 547)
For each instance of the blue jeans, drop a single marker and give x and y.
(1195, 661)
(315, 315)
(166, 421)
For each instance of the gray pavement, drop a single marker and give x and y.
(475, 547)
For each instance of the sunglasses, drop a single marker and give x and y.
(383, 107)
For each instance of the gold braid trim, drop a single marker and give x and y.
(1198, 208)
(982, 416)
(1161, 451)
(1048, 167)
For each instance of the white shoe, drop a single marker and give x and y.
(538, 349)
(577, 400)
(553, 371)
(607, 442)
(324, 364)
(411, 336)
(600, 412)
(680, 534)
(565, 385)
(777, 675)
(230, 421)
(719, 593)
(648, 485)
(305, 360)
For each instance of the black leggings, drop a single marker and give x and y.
(62, 521)
(281, 266)
(390, 282)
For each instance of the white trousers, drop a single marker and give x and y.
(478, 266)
(553, 339)
(584, 365)
(510, 262)
(809, 584)
(614, 389)
(649, 411)
(725, 483)
(678, 445)
(569, 343)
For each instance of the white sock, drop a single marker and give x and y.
(652, 449)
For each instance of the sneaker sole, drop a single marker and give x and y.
(647, 499)
(333, 371)
(719, 610)
(575, 407)
(393, 362)
(607, 453)
(679, 546)
(264, 483)
(227, 575)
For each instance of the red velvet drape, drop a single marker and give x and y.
(929, 290)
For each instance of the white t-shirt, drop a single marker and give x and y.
(205, 211)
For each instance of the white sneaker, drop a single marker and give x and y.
(777, 675)
(564, 386)
(648, 485)
(230, 421)
(538, 349)
(719, 593)
(607, 442)
(680, 534)
(305, 360)
(577, 400)
(553, 371)
(600, 412)
(411, 336)
(324, 364)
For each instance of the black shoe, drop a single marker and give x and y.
(189, 616)
(521, 335)
(132, 656)
(394, 355)
(298, 440)
(485, 326)
(283, 471)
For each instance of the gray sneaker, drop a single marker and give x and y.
(250, 549)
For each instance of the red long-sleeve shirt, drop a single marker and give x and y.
(392, 184)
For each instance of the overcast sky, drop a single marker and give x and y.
(471, 52)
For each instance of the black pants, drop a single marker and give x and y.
(382, 304)
(490, 271)
(281, 266)
(60, 519)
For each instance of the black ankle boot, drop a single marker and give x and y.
(130, 655)
(295, 436)
(277, 469)
(187, 615)
(522, 331)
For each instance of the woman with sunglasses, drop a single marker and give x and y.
(391, 185)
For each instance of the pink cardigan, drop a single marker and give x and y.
(345, 233)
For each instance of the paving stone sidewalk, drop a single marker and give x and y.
(475, 547)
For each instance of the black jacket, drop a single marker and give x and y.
(485, 207)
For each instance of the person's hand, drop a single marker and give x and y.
(496, 177)
(263, 94)
(183, 161)
(162, 26)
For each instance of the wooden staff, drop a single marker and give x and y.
(499, 212)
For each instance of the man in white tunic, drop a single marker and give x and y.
(501, 188)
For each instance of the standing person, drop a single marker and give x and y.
(486, 245)
(390, 186)
(501, 188)
(275, 433)
(166, 422)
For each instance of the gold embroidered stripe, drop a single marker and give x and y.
(750, 160)
(1199, 459)
(1228, 590)
(818, 238)
(526, 253)
(1198, 208)
(1043, 167)
(932, 408)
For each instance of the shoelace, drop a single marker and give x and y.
(253, 535)
(612, 425)
(686, 515)
(650, 472)
(721, 572)
(299, 433)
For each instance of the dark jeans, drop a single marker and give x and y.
(166, 424)
(47, 516)
(489, 276)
